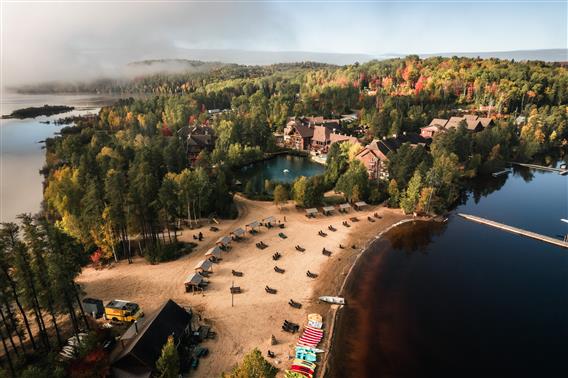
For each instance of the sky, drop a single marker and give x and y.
(53, 40)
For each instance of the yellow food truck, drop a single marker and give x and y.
(124, 311)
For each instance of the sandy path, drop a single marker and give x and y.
(255, 315)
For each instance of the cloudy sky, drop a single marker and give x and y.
(48, 40)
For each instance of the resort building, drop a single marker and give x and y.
(198, 138)
(139, 348)
(375, 155)
(471, 122)
(314, 134)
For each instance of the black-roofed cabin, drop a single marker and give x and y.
(135, 355)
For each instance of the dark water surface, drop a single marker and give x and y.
(274, 170)
(462, 299)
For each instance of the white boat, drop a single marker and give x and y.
(333, 300)
(286, 171)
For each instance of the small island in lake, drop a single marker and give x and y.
(32, 112)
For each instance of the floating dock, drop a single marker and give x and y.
(543, 168)
(515, 230)
(503, 172)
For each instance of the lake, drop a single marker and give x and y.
(462, 299)
(281, 168)
(21, 154)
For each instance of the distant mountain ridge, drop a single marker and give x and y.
(547, 55)
(204, 59)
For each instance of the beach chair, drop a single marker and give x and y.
(292, 325)
(370, 219)
(276, 256)
(279, 270)
(236, 290)
(237, 273)
(282, 235)
(354, 219)
(270, 290)
(294, 304)
(311, 275)
(326, 252)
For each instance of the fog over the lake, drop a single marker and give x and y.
(83, 40)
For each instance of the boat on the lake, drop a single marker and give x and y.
(333, 300)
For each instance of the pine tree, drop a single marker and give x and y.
(168, 364)
(411, 196)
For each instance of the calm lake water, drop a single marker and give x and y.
(282, 168)
(21, 154)
(462, 299)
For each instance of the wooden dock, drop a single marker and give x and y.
(515, 230)
(542, 168)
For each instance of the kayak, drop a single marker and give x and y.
(309, 365)
(302, 369)
(333, 300)
(297, 374)
(309, 350)
(306, 356)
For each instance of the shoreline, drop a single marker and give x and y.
(255, 315)
(336, 310)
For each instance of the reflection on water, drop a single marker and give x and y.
(282, 168)
(461, 299)
(21, 154)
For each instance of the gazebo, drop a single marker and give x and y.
(312, 212)
(344, 207)
(268, 221)
(327, 210)
(194, 282)
(223, 241)
(360, 205)
(203, 266)
(214, 253)
(238, 234)
(252, 226)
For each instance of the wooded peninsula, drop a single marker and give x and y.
(407, 132)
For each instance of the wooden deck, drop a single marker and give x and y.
(543, 168)
(515, 230)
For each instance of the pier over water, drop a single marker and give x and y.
(515, 230)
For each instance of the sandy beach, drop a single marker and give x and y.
(255, 315)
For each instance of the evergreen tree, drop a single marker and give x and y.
(168, 364)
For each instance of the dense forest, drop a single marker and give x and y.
(123, 183)
(127, 172)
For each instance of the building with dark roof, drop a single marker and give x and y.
(141, 345)
(471, 122)
(313, 134)
(375, 155)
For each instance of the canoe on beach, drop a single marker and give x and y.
(333, 300)
(310, 357)
(309, 349)
(297, 374)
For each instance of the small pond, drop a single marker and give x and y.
(282, 168)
